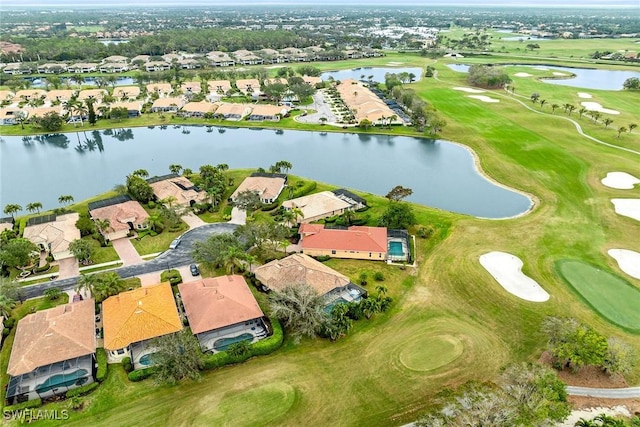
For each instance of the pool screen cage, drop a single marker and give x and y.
(50, 380)
(404, 235)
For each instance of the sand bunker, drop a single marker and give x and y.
(469, 90)
(584, 95)
(507, 270)
(620, 180)
(627, 207)
(523, 75)
(628, 261)
(555, 73)
(483, 98)
(594, 106)
(395, 63)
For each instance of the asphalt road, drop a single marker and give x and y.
(168, 259)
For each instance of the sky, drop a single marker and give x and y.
(293, 3)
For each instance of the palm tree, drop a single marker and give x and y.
(348, 216)
(233, 257)
(582, 111)
(370, 306)
(542, 102)
(553, 107)
(169, 200)
(620, 130)
(607, 122)
(595, 115)
(175, 168)
(632, 126)
(585, 423)
(142, 173)
(535, 97)
(284, 164)
(154, 221)
(53, 293)
(222, 167)
(65, 199)
(102, 225)
(34, 207)
(12, 209)
(571, 108)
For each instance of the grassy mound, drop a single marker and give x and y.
(426, 353)
(614, 298)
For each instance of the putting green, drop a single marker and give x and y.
(614, 298)
(427, 352)
(257, 406)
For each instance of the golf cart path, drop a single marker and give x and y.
(607, 393)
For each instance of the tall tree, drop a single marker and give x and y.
(248, 201)
(300, 309)
(177, 357)
(34, 207)
(12, 209)
(82, 250)
(175, 168)
(65, 199)
(398, 193)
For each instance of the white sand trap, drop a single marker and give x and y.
(620, 180)
(628, 261)
(591, 413)
(507, 270)
(395, 63)
(523, 75)
(469, 90)
(627, 207)
(483, 98)
(584, 95)
(555, 73)
(594, 106)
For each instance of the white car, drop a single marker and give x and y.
(175, 243)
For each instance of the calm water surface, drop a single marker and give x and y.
(441, 174)
(377, 73)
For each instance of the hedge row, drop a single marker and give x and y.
(260, 348)
(82, 390)
(141, 374)
(35, 403)
(304, 190)
(172, 276)
(101, 373)
(45, 267)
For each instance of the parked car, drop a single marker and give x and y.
(175, 243)
(195, 271)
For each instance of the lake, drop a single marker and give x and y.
(378, 73)
(441, 174)
(39, 83)
(585, 78)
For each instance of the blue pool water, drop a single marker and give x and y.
(223, 343)
(395, 249)
(63, 380)
(147, 359)
(335, 302)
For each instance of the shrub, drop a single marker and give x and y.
(103, 369)
(42, 269)
(172, 276)
(82, 390)
(127, 365)
(35, 403)
(305, 189)
(151, 204)
(9, 322)
(323, 258)
(141, 374)
(270, 207)
(424, 232)
(378, 276)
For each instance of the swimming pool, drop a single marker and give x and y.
(395, 249)
(147, 359)
(63, 380)
(223, 343)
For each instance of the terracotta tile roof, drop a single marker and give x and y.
(6, 94)
(365, 103)
(58, 234)
(244, 84)
(121, 214)
(200, 107)
(168, 102)
(159, 87)
(128, 91)
(218, 302)
(61, 94)
(276, 80)
(267, 188)
(195, 87)
(180, 188)
(233, 109)
(54, 335)
(310, 80)
(41, 111)
(266, 110)
(96, 93)
(223, 85)
(300, 269)
(139, 315)
(130, 106)
(355, 238)
(317, 204)
(30, 94)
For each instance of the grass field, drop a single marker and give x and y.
(608, 294)
(448, 305)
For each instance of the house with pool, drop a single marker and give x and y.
(317, 206)
(301, 269)
(267, 186)
(131, 320)
(53, 233)
(355, 242)
(123, 215)
(53, 352)
(177, 188)
(222, 311)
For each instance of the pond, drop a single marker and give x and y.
(585, 78)
(441, 174)
(378, 73)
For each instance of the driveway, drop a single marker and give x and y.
(322, 110)
(68, 267)
(192, 220)
(172, 258)
(126, 251)
(238, 216)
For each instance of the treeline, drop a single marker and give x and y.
(192, 41)
(487, 76)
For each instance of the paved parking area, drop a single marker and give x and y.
(126, 252)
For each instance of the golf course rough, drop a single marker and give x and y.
(612, 297)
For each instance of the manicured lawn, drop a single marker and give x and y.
(102, 254)
(159, 243)
(611, 296)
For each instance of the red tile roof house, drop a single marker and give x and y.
(221, 311)
(123, 214)
(53, 351)
(355, 242)
(301, 269)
